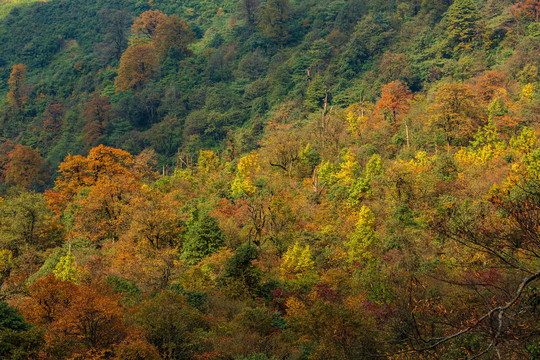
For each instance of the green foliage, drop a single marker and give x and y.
(461, 21)
(171, 325)
(362, 241)
(10, 319)
(20, 345)
(202, 238)
(18, 340)
(374, 167)
(241, 277)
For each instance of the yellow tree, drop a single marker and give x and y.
(364, 238)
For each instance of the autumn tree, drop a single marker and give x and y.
(136, 67)
(528, 9)
(148, 21)
(26, 222)
(77, 172)
(153, 218)
(97, 115)
(394, 103)
(172, 33)
(52, 122)
(17, 94)
(23, 167)
(455, 112)
(81, 320)
(171, 325)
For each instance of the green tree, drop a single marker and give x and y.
(169, 323)
(18, 340)
(462, 27)
(203, 237)
(273, 19)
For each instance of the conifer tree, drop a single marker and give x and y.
(461, 24)
(203, 237)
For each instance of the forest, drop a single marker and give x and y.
(269, 179)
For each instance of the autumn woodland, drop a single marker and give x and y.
(269, 179)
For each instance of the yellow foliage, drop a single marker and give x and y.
(295, 307)
(248, 165)
(297, 261)
(467, 157)
(66, 269)
(364, 238)
(358, 115)
(6, 260)
(527, 91)
(208, 161)
(346, 174)
(241, 186)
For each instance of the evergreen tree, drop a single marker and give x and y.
(203, 237)
(461, 24)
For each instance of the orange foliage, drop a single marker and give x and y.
(23, 166)
(136, 66)
(490, 86)
(17, 89)
(456, 112)
(170, 33)
(86, 319)
(527, 8)
(97, 113)
(102, 165)
(395, 100)
(148, 21)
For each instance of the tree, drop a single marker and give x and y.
(17, 94)
(77, 172)
(455, 111)
(25, 222)
(364, 238)
(97, 115)
(136, 67)
(297, 262)
(171, 324)
(461, 24)
(248, 9)
(172, 33)
(203, 237)
(18, 340)
(24, 167)
(528, 9)
(79, 320)
(147, 22)
(52, 123)
(273, 17)
(116, 29)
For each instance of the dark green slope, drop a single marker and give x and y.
(249, 60)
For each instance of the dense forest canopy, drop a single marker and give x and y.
(269, 179)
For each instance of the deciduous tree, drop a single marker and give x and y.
(17, 94)
(136, 67)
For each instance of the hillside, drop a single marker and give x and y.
(270, 179)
